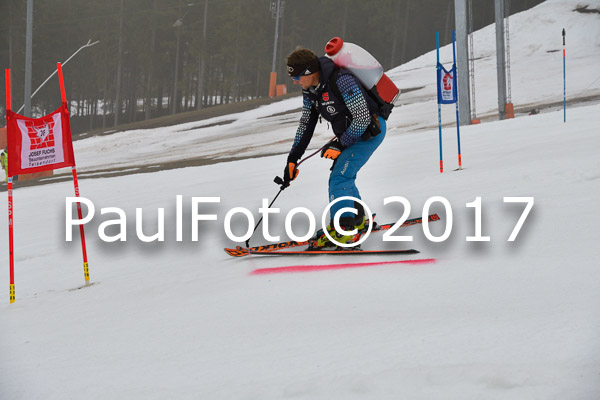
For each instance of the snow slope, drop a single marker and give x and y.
(487, 320)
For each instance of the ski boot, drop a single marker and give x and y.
(347, 224)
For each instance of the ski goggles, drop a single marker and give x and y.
(297, 77)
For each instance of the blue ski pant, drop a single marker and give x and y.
(342, 181)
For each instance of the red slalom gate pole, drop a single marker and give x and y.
(7, 77)
(11, 241)
(86, 272)
(11, 254)
(63, 95)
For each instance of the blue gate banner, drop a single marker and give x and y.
(446, 85)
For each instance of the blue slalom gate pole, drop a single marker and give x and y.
(457, 118)
(564, 78)
(437, 46)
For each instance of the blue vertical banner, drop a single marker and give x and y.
(446, 85)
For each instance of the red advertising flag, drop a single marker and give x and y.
(40, 144)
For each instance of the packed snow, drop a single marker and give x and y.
(181, 319)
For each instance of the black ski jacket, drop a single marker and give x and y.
(349, 116)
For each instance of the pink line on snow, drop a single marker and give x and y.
(310, 268)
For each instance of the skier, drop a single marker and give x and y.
(340, 99)
(4, 162)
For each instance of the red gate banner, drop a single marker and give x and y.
(40, 144)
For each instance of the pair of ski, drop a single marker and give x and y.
(274, 249)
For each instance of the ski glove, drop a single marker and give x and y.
(290, 173)
(332, 150)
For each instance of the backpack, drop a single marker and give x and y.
(385, 108)
(366, 69)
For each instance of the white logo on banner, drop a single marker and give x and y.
(447, 84)
(42, 132)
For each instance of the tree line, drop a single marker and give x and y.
(159, 57)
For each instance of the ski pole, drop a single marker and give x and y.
(325, 145)
(280, 182)
(261, 218)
